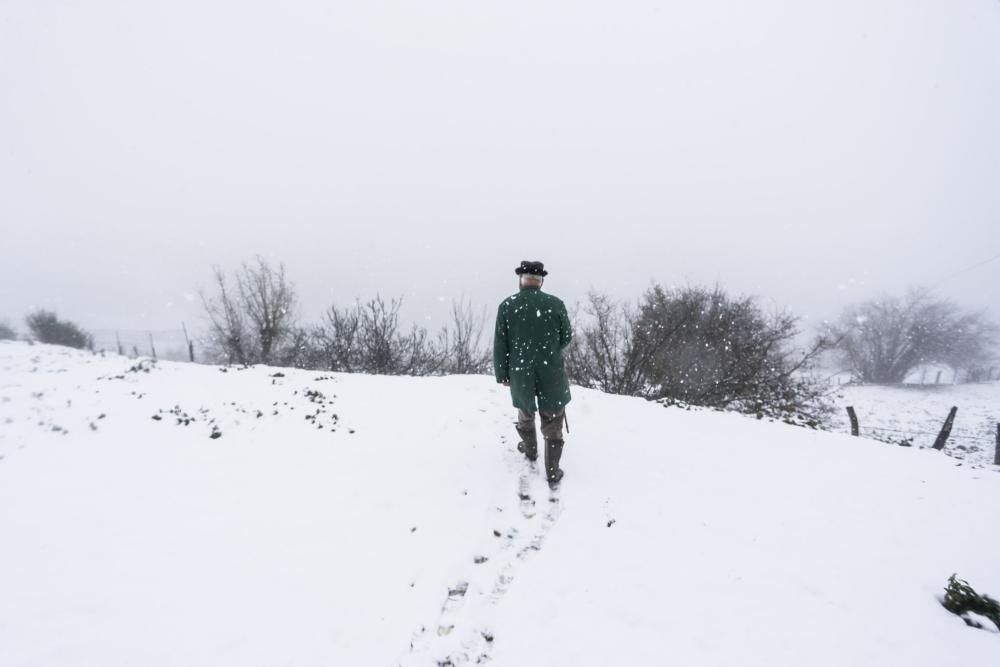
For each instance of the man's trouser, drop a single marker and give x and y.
(552, 425)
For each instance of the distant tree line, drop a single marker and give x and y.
(694, 345)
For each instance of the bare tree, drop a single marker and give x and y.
(229, 333)
(884, 339)
(269, 302)
(253, 322)
(461, 341)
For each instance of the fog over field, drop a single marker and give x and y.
(813, 153)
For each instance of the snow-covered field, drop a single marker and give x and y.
(356, 520)
(916, 413)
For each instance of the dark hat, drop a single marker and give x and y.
(531, 268)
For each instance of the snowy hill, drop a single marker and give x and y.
(356, 520)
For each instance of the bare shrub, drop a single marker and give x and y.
(45, 327)
(367, 338)
(603, 354)
(699, 346)
(460, 342)
(385, 349)
(335, 345)
(7, 332)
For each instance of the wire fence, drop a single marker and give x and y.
(979, 438)
(929, 377)
(911, 434)
(169, 344)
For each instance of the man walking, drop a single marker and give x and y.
(532, 330)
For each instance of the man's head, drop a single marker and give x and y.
(528, 280)
(532, 274)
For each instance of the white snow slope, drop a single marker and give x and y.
(421, 538)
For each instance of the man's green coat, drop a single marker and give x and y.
(532, 330)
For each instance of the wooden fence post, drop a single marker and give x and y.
(152, 347)
(996, 455)
(946, 429)
(189, 342)
(855, 429)
(119, 339)
(135, 351)
(937, 380)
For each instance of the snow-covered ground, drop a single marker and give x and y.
(916, 413)
(356, 520)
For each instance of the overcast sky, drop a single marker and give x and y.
(811, 152)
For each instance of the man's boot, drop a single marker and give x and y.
(553, 452)
(530, 451)
(529, 442)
